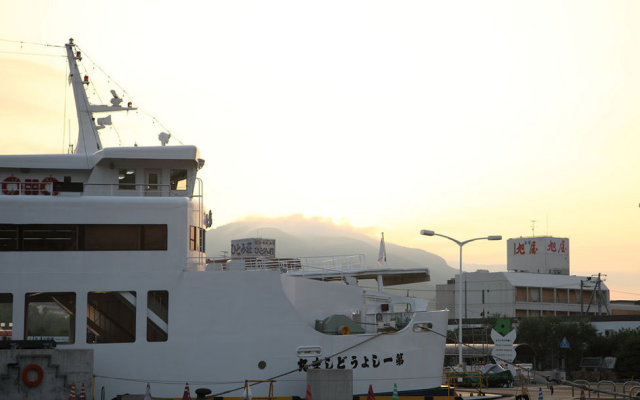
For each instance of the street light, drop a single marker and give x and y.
(427, 232)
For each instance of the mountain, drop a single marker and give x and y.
(297, 236)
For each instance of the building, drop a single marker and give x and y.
(537, 282)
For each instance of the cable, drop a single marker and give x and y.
(22, 42)
(154, 119)
(30, 54)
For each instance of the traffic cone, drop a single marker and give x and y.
(308, 396)
(370, 395)
(72, 393)
(83, 394)
(186, 395)
(395, 392)
(582, 397)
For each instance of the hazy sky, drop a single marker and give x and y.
(468, 118)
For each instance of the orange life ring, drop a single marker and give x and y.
(25, 375)
(8, 181)
(43, 186)
(345, 330)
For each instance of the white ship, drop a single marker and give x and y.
(108, 243)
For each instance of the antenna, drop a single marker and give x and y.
(533, 228)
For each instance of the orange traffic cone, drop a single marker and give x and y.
(308, 396)
(72, 393)
(582, 397)
(370, 395)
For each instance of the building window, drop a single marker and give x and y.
(561, 296)
(50, 316)
(548, 295)
(534, 295)
(157, 315)
(127, 179)
(111, 317)
(521, 313)
(178, 179)
(521, 294)
(6, 316)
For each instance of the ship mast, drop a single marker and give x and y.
(88, 138)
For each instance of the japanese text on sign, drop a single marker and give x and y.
(350, 362)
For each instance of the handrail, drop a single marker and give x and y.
(583, 383)
(328, 264)
(632, 383)
(608, 383)
(101, 189)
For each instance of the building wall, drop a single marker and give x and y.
(492, 294)
(541, 254)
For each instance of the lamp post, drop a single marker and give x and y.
(427, 232)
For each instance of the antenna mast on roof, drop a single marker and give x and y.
(533, 228)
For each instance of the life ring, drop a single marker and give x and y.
(344, 330)
(9, 181)
(43, 186)
(25, 375)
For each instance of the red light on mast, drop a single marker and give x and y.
(86, 79)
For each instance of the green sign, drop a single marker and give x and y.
(503, 326)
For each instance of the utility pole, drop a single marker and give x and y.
(599, 296)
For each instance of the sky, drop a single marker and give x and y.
(467, 118)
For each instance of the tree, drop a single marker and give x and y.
(544, 335)
(628, 357)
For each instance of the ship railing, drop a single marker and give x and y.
(329, 265)
(333, 264)
(390, 321)
(131, 189)
(93, 189)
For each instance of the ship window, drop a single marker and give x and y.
(49, 237)
(154, 237)
(6, 316)
(112, 237)
(53, 237)
(8, 237)
(126, 179)
(193, 238)
(157, 315)
(111, 317)
(178, 179)
(50, 316)
(202, 237)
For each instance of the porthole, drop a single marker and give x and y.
(262, 365)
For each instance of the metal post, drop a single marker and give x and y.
(581, 308)
(461, 281)
(460, 362)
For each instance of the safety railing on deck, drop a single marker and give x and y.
(327, 264)
(89, 189)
